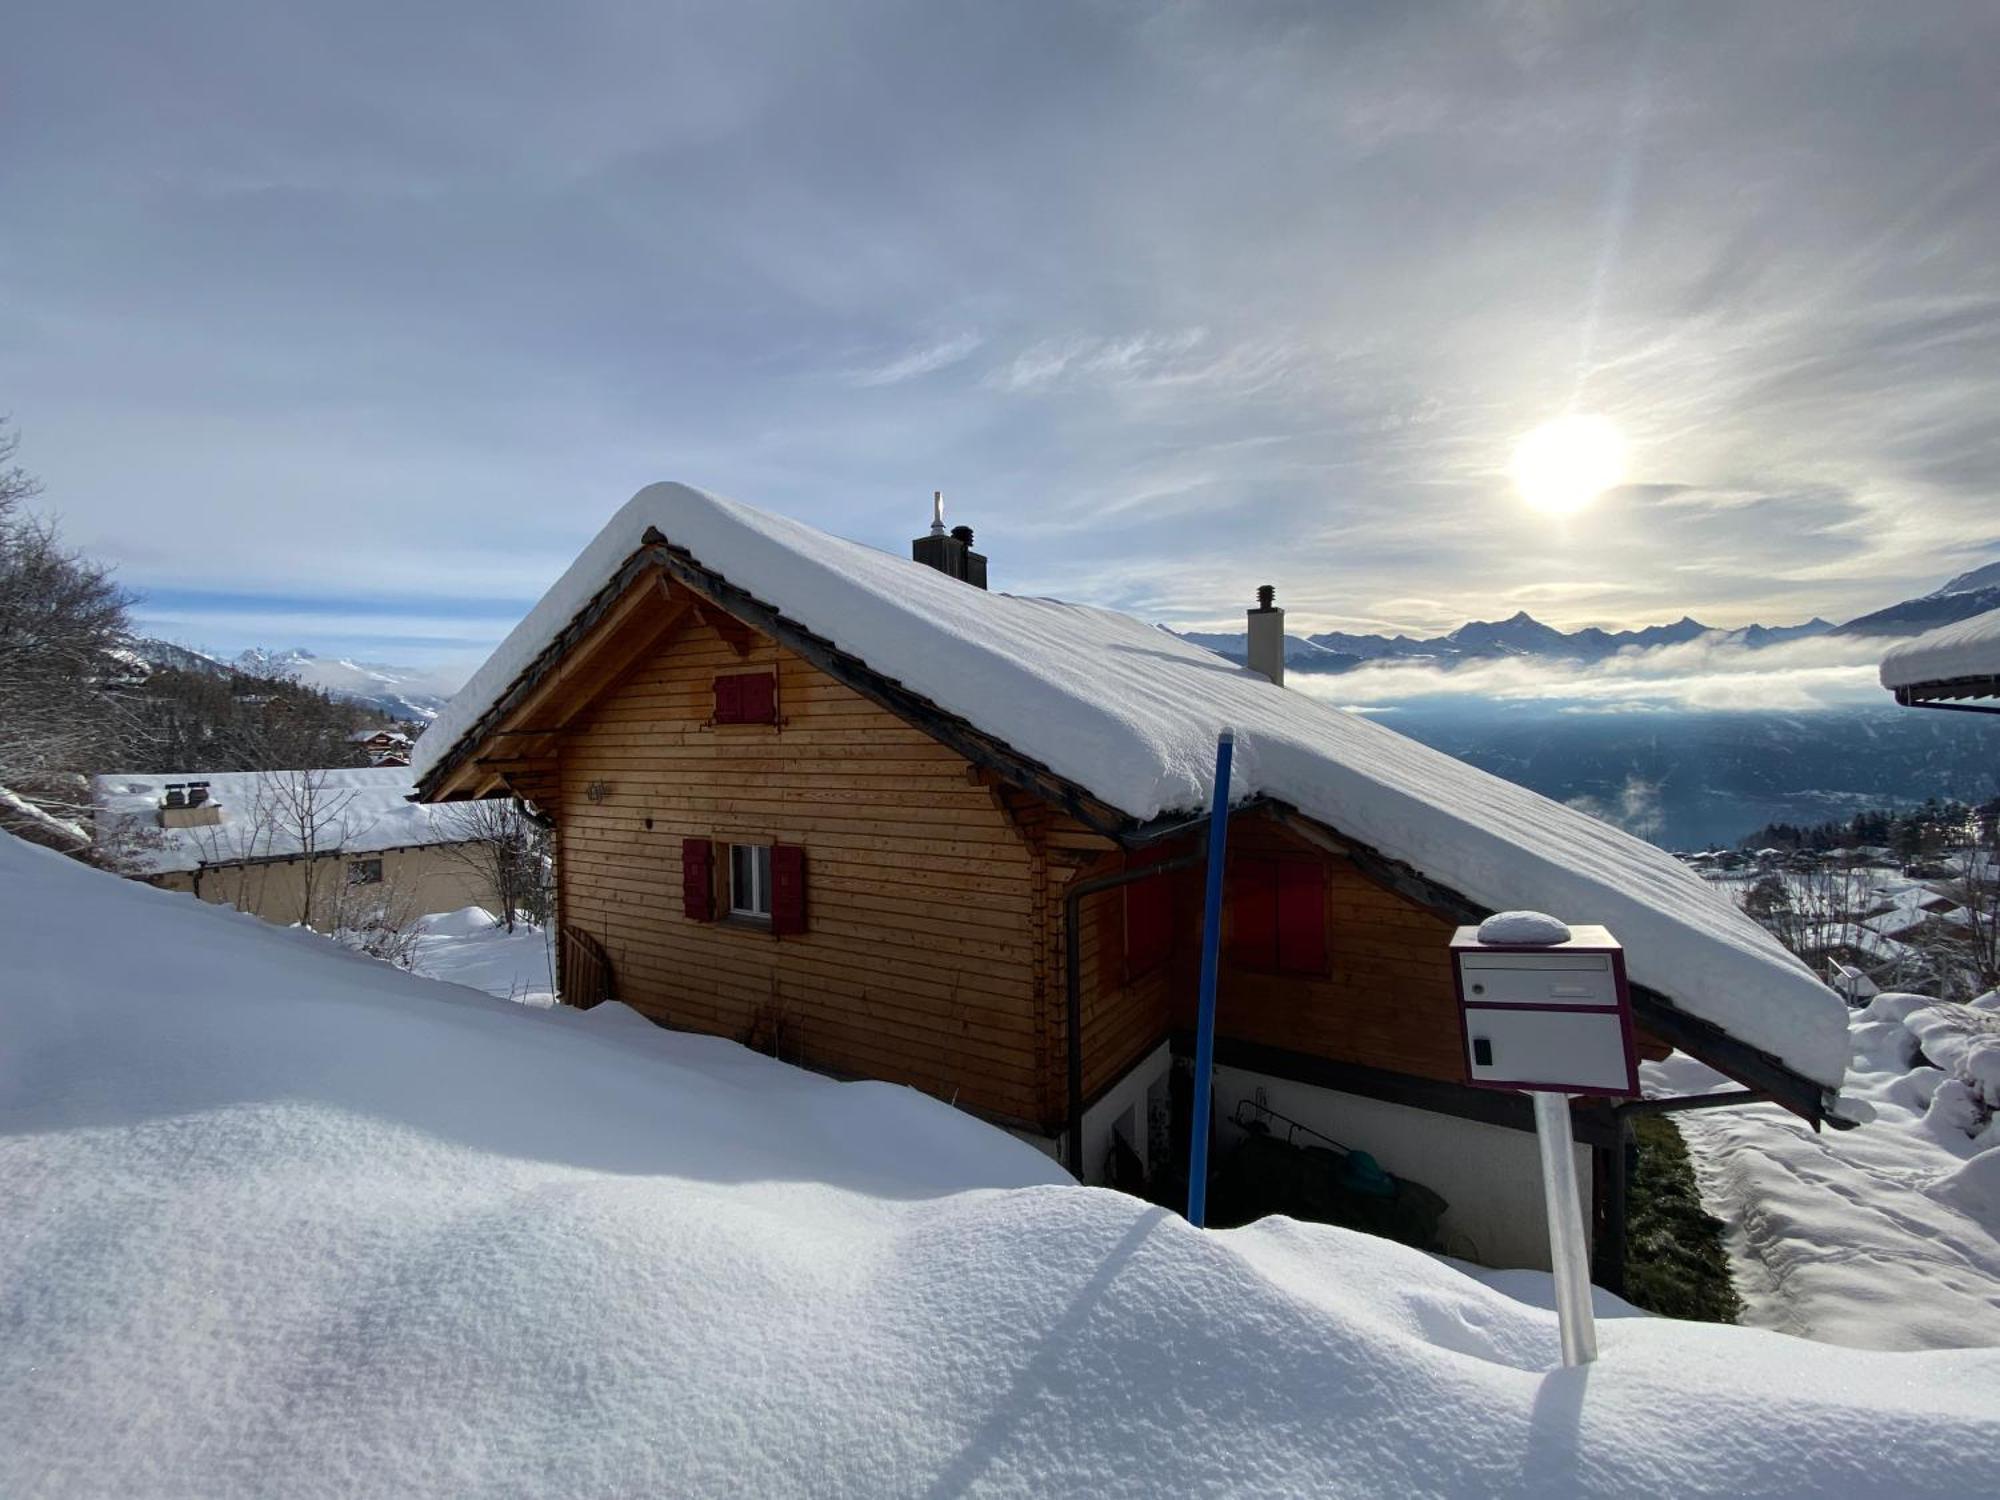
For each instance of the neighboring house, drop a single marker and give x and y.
(1956, 666)
(384, 747)
(856, 810)
(318, 846)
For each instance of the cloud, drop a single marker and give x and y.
(1245, 294)
(1709, 673)
(1184, 360)
(923, 359)
(1636, 808)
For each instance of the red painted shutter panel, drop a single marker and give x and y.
(1149, 909)
(1301, 917)
(788, 889)
(698, 880)
(759, 703)
(729, 700)
(1253, 913)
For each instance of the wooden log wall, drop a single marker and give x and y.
(923, 961)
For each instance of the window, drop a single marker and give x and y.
(761, 883)
(1277, 915)
(364, 872)
(750, 881)
(747, 698)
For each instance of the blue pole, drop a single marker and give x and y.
(1211, 945)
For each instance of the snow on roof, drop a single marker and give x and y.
(1130, 712)
(280, 1216)
(1965, 648)
(356, 811)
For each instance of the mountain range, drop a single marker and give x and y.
(403, 693)
(1682, 778)
(1521, 634)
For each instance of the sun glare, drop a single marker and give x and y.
(1563, 465)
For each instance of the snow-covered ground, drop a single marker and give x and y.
(278, 1219)
(471, 947)
(1886, 1236)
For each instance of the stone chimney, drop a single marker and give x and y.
(950, 552)
(1267, 636)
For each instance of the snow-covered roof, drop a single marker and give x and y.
(1965, 648)
(356, 810)
(363, 736)
(1129, 712)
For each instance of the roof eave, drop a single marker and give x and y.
(1942, 693)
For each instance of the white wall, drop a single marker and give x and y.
(1123, 1110)
(1490, 1176)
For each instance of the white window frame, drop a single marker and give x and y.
(758, 906)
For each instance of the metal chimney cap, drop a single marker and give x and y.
(937, 512)
(1267, 596)
(963, 534)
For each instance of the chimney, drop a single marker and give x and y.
(950, 552)
(1267, 636)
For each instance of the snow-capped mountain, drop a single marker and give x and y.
(399, 692)
(1969, 594)
(1521, 634)
(149, 655)
(394, 692)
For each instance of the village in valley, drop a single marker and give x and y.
(788, 897)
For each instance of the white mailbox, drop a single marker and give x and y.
(1546, 1016)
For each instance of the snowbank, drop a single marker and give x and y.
(1131, 713)
(1886, 1236)
(356, 811)
(1965, 648)
(471, 948)
(281, 1220)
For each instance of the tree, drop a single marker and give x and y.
(506, 850)
(301, 814)
(62, 622)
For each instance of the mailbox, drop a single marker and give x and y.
(1553, 1017)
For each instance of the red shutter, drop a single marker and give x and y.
(729, 700)
(1253, 913)
(1301, 917)
(759, 701)
(1149, 918)
(698, 880)
(788, 889)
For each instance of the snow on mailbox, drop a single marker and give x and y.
(1544, 1007)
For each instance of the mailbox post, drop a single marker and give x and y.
(1545, 1008)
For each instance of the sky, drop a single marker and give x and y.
(348, 329)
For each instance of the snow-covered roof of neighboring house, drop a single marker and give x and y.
(1859, 939)
(1963, 650)
(363, 736)
(1130, 713)
(1898, 920)
(357, 811)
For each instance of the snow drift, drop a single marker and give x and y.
(282, 1220)
(1131, 712)
(1884, 1237)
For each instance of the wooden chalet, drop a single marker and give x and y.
(765, 834)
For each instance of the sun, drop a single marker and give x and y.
(1563, 465)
